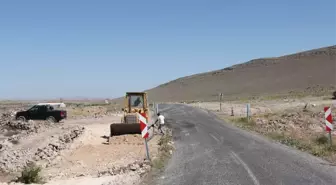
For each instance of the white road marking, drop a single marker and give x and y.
(235, 160)
(214, 137)
(253, 177)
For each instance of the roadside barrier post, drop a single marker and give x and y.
(232, 114)
(144, 131)
(220, 101)
(328, 122)
(147, 151)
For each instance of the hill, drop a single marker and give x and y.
(310, 72)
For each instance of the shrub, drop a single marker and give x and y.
(322, 140)
(242, 119)
(30, 174)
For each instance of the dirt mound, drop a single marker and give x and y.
(310, 72)
(13, 130)
(310, 122)
(129, 139)
(140, 166)
(57, 144)
(20, 125)
(14, 157)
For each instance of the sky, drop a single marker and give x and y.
(101, 49)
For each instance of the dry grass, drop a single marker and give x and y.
(242, 122)
(318, 146)
(165, 151)
(301, 137)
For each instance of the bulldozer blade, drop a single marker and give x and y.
(124, 128)
(118, 129)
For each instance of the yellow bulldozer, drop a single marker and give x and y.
(134, 102)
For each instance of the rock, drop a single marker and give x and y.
(67, 138)
(55, 145)
(80, 175)
(73, 135)
(282, 121)
(134, 167)
(290, 122)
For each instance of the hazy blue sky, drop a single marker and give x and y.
(51, 49)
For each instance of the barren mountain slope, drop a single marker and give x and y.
(312, 71)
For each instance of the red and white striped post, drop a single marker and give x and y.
(328, 122)
(144, 130)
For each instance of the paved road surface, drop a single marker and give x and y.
(210, 152)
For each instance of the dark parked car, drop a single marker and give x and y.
(42, 112)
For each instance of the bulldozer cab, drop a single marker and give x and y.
(135, 102)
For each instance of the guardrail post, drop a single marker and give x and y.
(248, 112)
(232, 113)
(220, 101)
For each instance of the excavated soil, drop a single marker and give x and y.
(75, 151)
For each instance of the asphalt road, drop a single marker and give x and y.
(211, 152)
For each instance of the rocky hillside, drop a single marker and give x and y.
(309, 72)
